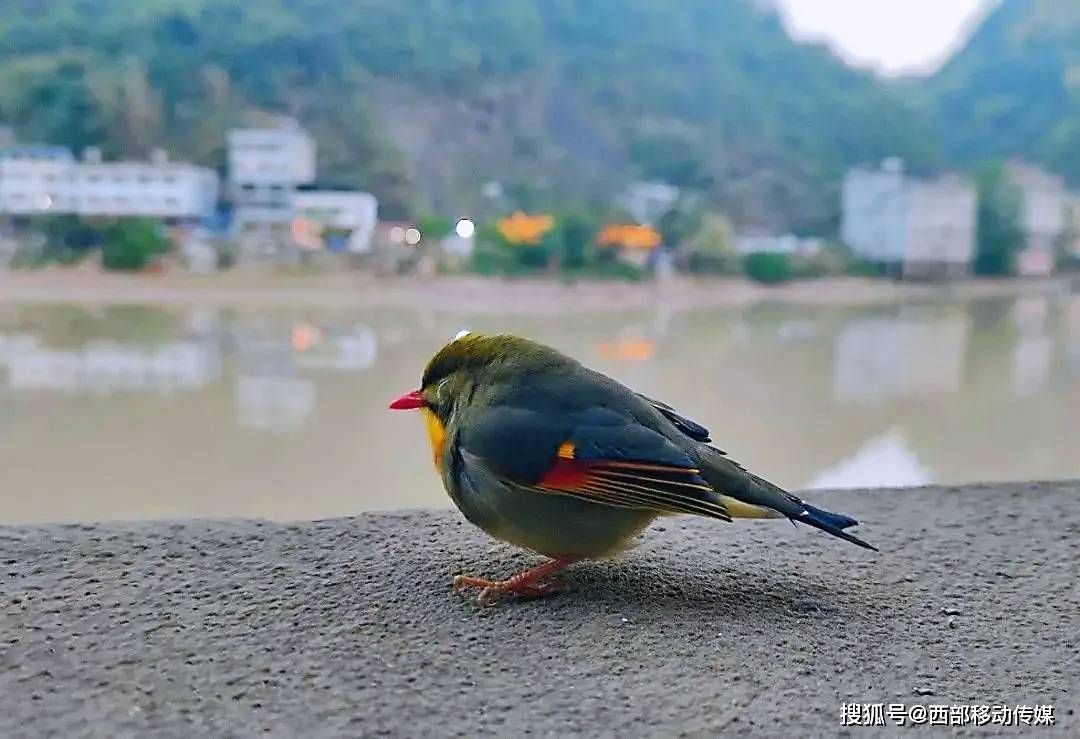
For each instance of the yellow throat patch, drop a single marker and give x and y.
(436, 435)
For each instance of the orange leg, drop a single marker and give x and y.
(527, 584)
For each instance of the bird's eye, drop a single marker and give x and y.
(442, 390)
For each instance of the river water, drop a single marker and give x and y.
(150, 412)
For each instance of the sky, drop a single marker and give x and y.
(892, 37)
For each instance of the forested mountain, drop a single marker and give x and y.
(423, 100)
(562, 101)
(1014, 89)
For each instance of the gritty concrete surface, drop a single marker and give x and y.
(348, 628)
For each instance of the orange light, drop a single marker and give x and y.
(525, 229)
(306, 234)
(629, 235)
(633, 350)
(304, 336)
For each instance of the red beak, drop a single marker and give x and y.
(408, 402)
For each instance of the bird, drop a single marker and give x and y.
(540, 451)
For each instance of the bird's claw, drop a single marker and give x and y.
(493, 590)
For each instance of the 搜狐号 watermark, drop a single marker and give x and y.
(916, 714)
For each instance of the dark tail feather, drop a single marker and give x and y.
(832, 523)
(727, 476)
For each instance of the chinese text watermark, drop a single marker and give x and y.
(903, 714)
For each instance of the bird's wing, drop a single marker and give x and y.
(744, 494)
(597, 455)
(694, 430)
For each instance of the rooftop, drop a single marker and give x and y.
(37, 151)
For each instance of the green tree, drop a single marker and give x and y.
(999, 235)
(131, 244)
(578, 231)
(677, 225)
(435, 227)
(495, 255)
(712, 248)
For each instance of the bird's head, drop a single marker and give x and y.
(470, 362)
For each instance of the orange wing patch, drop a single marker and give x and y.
(566, 450)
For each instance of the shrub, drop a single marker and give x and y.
(609, 270)
(768, 267)
(131, 244)
(496, 261)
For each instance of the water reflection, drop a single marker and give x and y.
(275, 404)
(104, 367)
(915, 353)
(1071, 321)
(884, 460)
(1033, 354)
(140, 412)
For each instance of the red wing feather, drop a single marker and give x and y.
(625, 484)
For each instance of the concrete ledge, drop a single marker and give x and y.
(347, 627)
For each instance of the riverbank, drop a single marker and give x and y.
(347, 626)
(356, 289)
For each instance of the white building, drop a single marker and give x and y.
(1044, 216)
(918, 228)
(266, 165)
(36, 179)
(43, 180)
(158, 188)
(347, 210)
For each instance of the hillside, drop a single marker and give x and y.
(1014, 89)
(421, 101)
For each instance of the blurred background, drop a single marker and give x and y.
(843, 235)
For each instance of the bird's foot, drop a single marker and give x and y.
(493, 590)
(527, 585)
